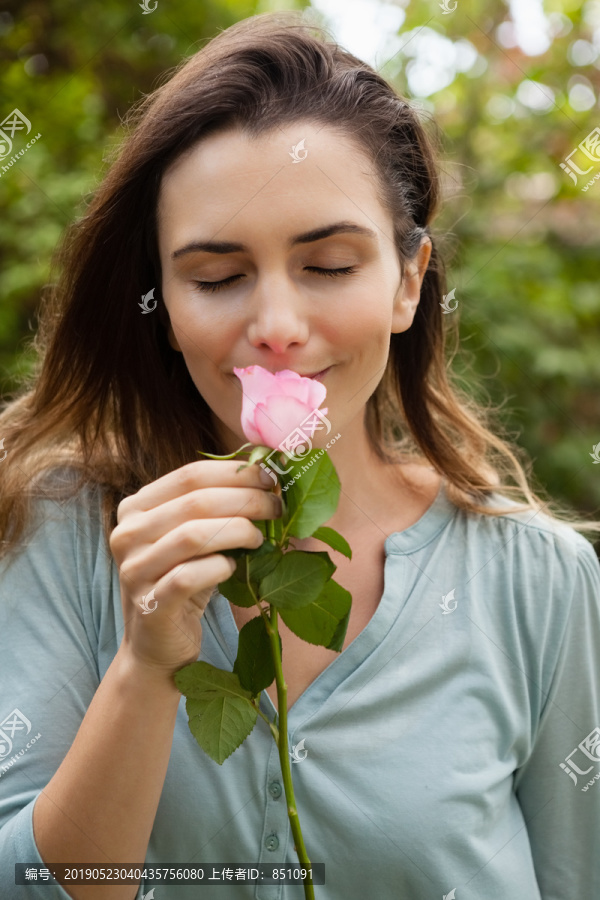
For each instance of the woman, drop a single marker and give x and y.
(275, 200)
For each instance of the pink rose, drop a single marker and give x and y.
(274, 404)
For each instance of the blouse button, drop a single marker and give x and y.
(275, 789)
(272, 842)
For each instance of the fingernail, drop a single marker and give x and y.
(266, 478)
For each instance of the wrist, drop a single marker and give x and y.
(145, 676)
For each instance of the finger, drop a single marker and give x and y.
(192, 539)
(191, 477)
(196, 576)
(206, 503)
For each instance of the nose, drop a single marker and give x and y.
(277, 318)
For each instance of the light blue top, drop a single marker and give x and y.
(434, 741)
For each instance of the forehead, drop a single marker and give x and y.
(232, 177)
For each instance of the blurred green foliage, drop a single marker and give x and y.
(522, 240)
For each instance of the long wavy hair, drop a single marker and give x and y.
(111, 399)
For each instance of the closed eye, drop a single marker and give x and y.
(212, 286)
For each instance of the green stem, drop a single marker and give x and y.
(273, 728)
(229, 456)
(282, 744)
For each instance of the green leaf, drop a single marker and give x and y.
(263, 561)
(254, 664)
(200, 678)
(237, 591)
(298, 579)
(237, 552)
(220, 723)
(334, 539)
(258, 453)
(242, 569)
(313, 498)
(252, 565)
(220, 712)
(337, 641)
(318, 622)
(278, 529)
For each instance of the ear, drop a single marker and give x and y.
(409, 291)
(166, 323)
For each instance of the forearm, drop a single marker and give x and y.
(101, 804)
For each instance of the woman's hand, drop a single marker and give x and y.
(172, 536)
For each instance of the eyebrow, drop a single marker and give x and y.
(317, 234)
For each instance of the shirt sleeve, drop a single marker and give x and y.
(48, 671)
(558, 787)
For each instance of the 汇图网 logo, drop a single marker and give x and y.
(14, 122)
(590, 748)
(13, 723)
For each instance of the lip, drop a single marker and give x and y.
(318, 375)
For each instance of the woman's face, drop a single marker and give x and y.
(242, 211)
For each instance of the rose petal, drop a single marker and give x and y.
(263, 390)
(278, 418)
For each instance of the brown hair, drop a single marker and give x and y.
(111, 398)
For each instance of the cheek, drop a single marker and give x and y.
(202, 341)
(218, 390)
(363, 327)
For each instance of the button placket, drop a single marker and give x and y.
(276, 831)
